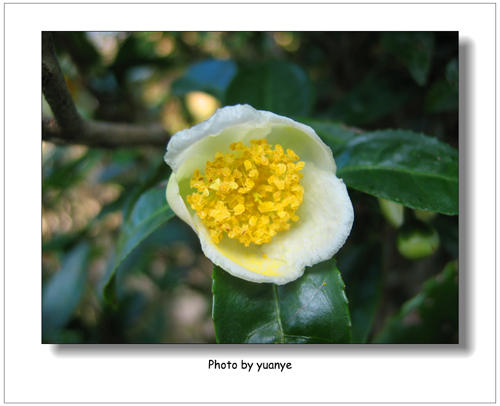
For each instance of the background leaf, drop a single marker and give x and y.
(413, 49)
(61, 175)
(452, 73)
(371, 100)
(409, 168)
(447, 228)
(335, 135)
(442, 96)
(311, 309)
(362, 272)
(62, 293)
(149, 213)
(430, 317)
(276, 86)
(211, 76)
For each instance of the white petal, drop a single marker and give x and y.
(304, 142)
(247, 263)
(176, 202)
(326, 213)
(326, 218)
(229, 124)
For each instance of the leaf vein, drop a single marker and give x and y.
(278, 313)
(306, 303)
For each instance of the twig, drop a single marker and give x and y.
(68, 127)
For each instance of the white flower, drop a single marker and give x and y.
(260, 213)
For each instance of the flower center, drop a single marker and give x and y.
(250, 194)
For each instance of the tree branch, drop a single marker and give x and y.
(68, 127)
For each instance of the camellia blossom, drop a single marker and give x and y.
(261, 193)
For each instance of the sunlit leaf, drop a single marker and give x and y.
(409, 168)
(311, 309)
(431, 317)
(211, 76)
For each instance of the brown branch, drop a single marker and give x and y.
(68, 127)
(105, 134)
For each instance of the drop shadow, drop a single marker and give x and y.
(297, 351)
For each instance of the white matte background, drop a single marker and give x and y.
(179, 373)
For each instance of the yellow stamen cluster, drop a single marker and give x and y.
(250, 194)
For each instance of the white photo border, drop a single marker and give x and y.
(36, 373)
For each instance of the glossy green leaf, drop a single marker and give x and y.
(431, 317)
(62, 293)
(276, 86)
(409, 168)
(441, 97)
(335, 135)
(362, 272)
(371, 100)
(412, 49)
(149, 212)
(211, 76)
(311, 309)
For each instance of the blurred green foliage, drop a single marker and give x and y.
(105, 221)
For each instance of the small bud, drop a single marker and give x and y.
(417, 240)
(392, 212)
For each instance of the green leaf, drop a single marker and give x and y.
(335, 135)
(135, 51)
(452, 73)
(59, 175)
(409, 168)
(441, 97)
(447, 227)
(150, 212)
(276, 86)
(311, 309)
(63, 242)
(156, 176)
(83, 53)
(412, 49)
(62, 293)
(371, 100)
(362, 272)
(211, 76)
(431, 317)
